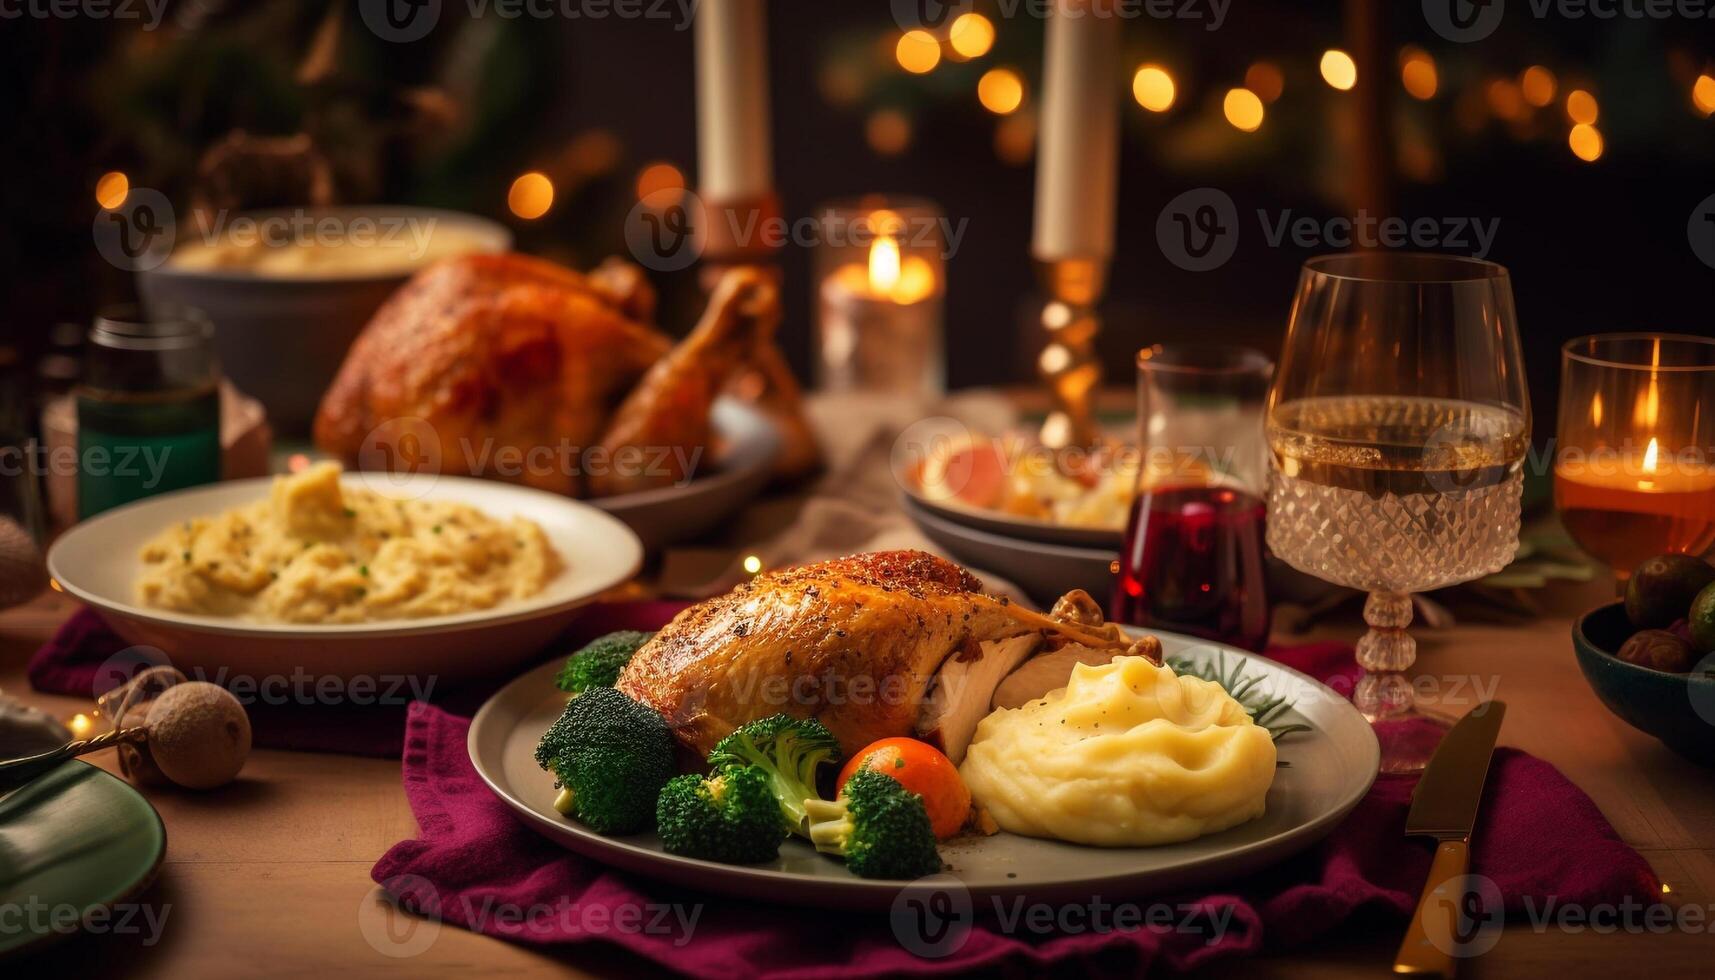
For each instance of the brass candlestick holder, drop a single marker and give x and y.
(1068, 362)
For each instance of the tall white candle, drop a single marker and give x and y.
(1078, 143)
(733, 152)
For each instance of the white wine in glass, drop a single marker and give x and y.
(1398, 426)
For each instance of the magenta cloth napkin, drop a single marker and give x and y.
(476, 866)
(86, 659)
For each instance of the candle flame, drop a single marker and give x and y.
(1649, 465)
(1596, 410)
(884, 265)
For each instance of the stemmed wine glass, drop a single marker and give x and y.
(1397, 426)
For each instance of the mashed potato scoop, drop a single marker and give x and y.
(1128, 754)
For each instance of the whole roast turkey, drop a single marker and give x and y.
(514, 368)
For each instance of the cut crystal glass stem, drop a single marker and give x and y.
(1387, 646)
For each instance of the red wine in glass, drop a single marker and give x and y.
(1192, 563)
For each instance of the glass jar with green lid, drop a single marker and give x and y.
(148, 407)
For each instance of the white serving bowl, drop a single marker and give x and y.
(98, 562)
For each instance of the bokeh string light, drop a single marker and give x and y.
(917, 52)
(1703, 95)
(1537, 85)
(1243, 109)
(1418, 74)
(1153, 88)
(1266, 80)
(971, 35)
(657, 178)
(531, 195)
(1586, 142)
(1338, 69)
(1581, 107)
(1001, 91)
(112, 190)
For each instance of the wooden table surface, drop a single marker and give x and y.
(271, 875)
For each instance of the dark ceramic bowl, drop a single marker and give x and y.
(1679, 709)
(281, 338)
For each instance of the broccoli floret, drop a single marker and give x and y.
(878, 826)
(599, 662)
(729, 817)
(790, 749)
(610, 756)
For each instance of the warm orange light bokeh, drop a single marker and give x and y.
(112, 189)
(1243, 109)
(1418, 74)
(531, 196)
(1338, 69)
(917, 52)
(970, 36)
(1153, 88)
(1000, 90)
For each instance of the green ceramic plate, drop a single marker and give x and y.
(74, 840)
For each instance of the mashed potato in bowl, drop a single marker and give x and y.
(316, 551)
(1128, 754)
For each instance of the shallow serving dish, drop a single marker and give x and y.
(1679, 709)
(1012, 525)
(97, 561)
(1042, 569)
(1328, 770)
(741, 462)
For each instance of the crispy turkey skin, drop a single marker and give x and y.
(853, 641)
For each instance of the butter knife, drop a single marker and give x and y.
(1444, 806)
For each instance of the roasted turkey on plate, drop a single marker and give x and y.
(877, 645)
(502, 365)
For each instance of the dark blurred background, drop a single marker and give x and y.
(1596, 236)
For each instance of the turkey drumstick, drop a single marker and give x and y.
(670, 407)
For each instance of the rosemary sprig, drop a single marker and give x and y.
(1264, 710)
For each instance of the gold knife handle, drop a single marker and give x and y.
(1428, 945)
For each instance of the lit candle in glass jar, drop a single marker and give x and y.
(880, 309)
(1633, 474)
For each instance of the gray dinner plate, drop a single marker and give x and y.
(1326, 771)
